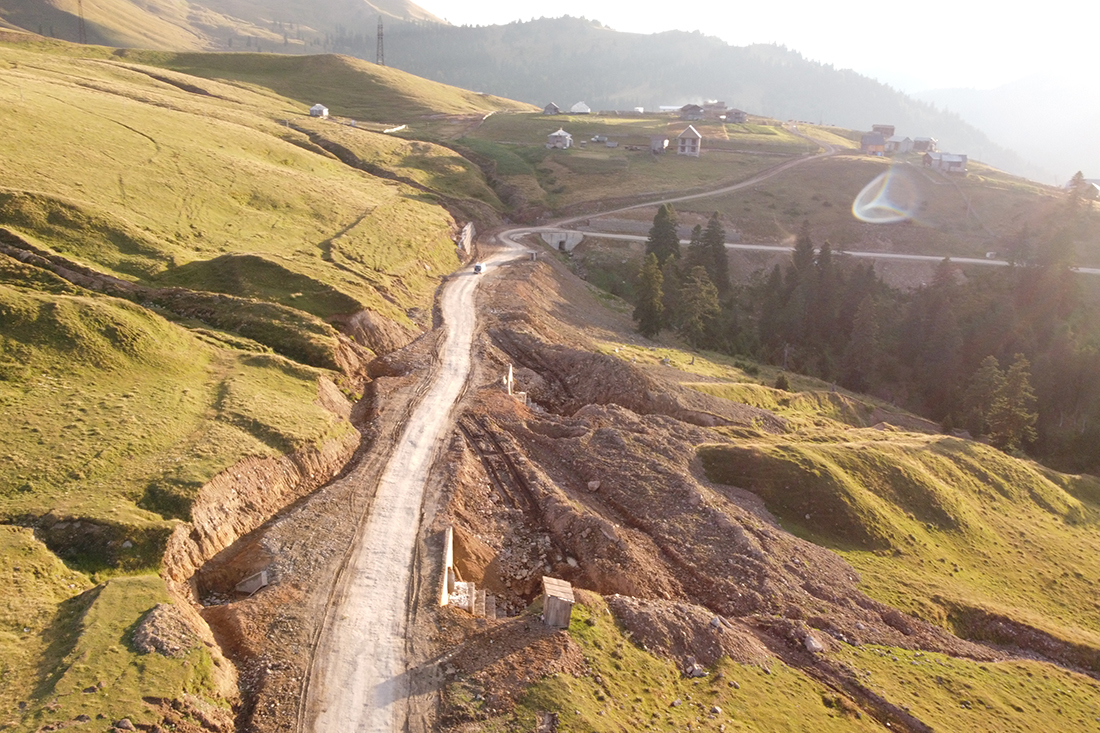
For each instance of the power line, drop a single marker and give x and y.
(380, 57)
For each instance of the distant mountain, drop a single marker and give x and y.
(565, 60)
(282, 26)
(1047, 121)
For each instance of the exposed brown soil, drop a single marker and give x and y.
(596, 482)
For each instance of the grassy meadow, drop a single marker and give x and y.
(556, 178)
(962, 216)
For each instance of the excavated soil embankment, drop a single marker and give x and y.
(597, 482)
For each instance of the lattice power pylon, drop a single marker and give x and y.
(81, 32)
(380, 56)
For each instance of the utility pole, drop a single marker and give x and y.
(380, 57)
(81, 33)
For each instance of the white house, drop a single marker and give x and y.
(898, 144)
(689, 142)
(318, 110)
(559, 140)
(580, 108)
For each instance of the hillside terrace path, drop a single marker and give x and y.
(358, 681)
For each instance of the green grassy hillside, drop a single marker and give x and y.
(937, 526)
(173, 250)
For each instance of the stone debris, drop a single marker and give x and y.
(165, 631)
(813, 645)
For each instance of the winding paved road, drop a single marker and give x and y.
(849, 252)
(358, 681)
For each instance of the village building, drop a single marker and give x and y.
(658, 143)
(924, 144)
(736, 117)
(689, 142)
(884, 130)
(945, 162)
(899, 144)
(560, 140)
(580, 108)
(691, 112)
(873, 143)
(551, 109)
(714, 110)
(318, 110)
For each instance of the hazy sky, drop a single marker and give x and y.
(912, 46)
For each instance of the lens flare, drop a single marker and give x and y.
(888, 199)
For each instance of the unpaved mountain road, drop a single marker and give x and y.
(358, 680)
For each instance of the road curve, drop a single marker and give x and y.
(358, 681)
(827, 151)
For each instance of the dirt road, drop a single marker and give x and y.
(358, 681)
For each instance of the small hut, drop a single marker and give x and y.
(318, 110)
(557, 602)
(560, 140)
(551, 109)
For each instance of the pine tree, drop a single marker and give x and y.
(696, 253)
(650, 309)
(1012, 416)
(802, 263)
(699, 309)
(717, 263)
(984, 387)
(862, 355)
(664, 241)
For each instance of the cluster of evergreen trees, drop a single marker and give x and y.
(1009, 353)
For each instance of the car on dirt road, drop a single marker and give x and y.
(478, 268)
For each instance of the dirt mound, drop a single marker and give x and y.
(165, 631)
(680, 631)
(509, 655)
(563, 380)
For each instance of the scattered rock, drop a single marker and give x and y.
(571, 561)
(124, 724)
(813, 645)
(593, 485)
(715, 710)
(676, 703)
(127, 545)
(165, 631)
